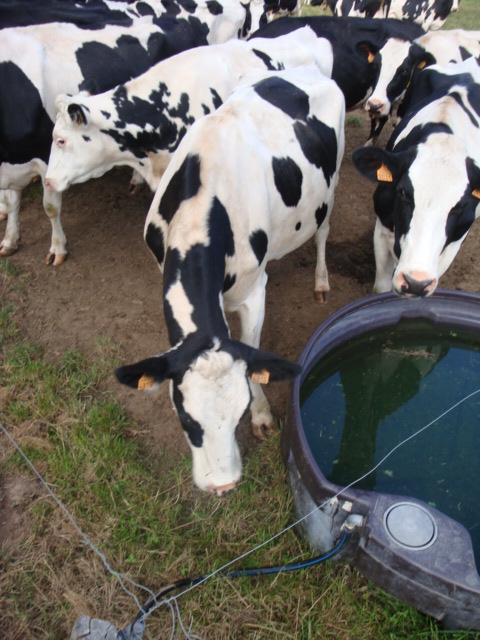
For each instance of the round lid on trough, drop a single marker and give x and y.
(410, 525)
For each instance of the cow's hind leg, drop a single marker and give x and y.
(52, 203)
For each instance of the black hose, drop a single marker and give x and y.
(239, 573)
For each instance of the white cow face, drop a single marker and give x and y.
(210, 390)
(78, 151)
(429, 198)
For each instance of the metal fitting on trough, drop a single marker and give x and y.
(86, 628)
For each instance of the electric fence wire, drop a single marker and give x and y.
(168, 601)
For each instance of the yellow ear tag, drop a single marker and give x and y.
(371, 57)
(476, 193)
(384, 174)
(146, 382)
(422, 64)
(262, 377)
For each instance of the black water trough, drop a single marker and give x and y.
(382, 437)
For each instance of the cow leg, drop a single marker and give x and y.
(9, 244)
(252, 314)
(7, 196)
(52, 203)
(384, 261)
(322, 287)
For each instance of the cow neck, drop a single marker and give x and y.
(192, 293)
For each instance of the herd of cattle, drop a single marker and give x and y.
(236, 123)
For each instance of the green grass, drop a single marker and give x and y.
(154, 526)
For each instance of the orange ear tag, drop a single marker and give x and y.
(262, 377)
(476, 193)
(422, 64)
(371, 57)
(146, 382)
(384, 174)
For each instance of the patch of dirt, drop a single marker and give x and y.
(111, 287)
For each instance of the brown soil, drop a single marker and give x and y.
(110, 287)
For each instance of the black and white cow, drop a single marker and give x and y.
(248, 184)
(428, 181)
(140, 123)
(39, 62)
(398, 61)
(429, 14)
(355, 46)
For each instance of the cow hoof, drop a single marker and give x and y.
(133, 189)
(263, 431)
(7, 251)
(55, 259)
(321, 296)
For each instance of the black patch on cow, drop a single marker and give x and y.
(259, 244)
(460, 218)
(403, 211)
(220, 229)
(183, 185)
(25, 127)
(318, 142)
(191, 427)
(464, 53)
(155, 118)
(214, 7)
(267, 60)
(298, 226)
(459, 100)
(86, 138)
(417, 135)
(321, 214)
(188, 5)
(288, 179)
(229, 281)
(144, 9)
(171, 271)
(285, 96)
(216, 99)
(106, 114)
(155, 242)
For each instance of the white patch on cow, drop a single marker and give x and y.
(178, 300)
(216, 394)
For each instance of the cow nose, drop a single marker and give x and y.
(374, 107)
(415, 286)
(49, 185)
(223, 490)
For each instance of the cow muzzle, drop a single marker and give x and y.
(223, 490)
(376, 108)
(414, 284)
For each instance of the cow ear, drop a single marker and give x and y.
(367, 50)
(265, 367)
(77, 114)
(144, 374)
(375, 164)
(473, 172)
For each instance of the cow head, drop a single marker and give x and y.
(78, 153)
(428, 196)
(394, 66)
(210, 390)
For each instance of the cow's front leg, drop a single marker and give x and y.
(52, 203)
(252, 314)
(7, 197)
(383, 240)
(322, 286)
(9, 244)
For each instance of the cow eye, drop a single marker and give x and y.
(60, 142)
